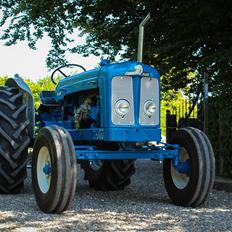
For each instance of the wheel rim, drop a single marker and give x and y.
(96, 164)
(44, 169)
(180, 180)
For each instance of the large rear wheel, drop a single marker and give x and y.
(14, 140)
(190, 188)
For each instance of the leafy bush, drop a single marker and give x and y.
(220, 133)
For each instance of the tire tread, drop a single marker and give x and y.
(14, 140)
(59, 198)
(204, 170)
(114, 174)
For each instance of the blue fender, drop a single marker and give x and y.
(19, 83)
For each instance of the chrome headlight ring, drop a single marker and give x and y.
(122, 107)
(149, 108)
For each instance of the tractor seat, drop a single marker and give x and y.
(48, 97)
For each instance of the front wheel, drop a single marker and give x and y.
(192, 187)
(54, 169)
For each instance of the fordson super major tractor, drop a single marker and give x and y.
(104, 119)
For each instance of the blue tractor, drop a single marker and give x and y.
(104, 119)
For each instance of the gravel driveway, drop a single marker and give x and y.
(143, 206)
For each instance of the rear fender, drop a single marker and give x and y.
(19, 83)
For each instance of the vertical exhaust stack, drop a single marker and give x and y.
(141, 37)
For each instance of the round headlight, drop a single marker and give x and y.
(122, 107)
(149, 108)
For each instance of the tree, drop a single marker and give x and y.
(184, 35)
(38, 86)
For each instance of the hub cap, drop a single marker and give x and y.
(180, 180)
(44, 169)
(96, 164)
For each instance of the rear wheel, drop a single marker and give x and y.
(54, 169)
(192, 187)
(14, 140)
(108, 174)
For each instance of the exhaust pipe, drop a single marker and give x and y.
(141, 37)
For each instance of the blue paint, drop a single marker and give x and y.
(136, 90)
(105, 78)
(116, 134)
(94, 112)
(154, 152)
(101, 79)
(79, 82)
(104, 62)
(48, 97)
(184, 167)
(47, 169)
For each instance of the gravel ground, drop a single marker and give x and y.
(143, 206)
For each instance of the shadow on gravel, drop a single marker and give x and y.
(143, 206)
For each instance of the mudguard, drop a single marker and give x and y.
(18, 82)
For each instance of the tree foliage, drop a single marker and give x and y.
(37, 86)
(183, 36)
(220, 132)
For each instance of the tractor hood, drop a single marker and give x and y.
(90, 79)
(76, 83)
(129, 68)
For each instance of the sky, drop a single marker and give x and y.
(31, 64)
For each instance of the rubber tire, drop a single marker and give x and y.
(210, 159)
(113, 175)
(202, 168)
(62, 189)
(14, 140)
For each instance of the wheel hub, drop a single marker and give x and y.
(180, 174)
(96, 164)
(184, 167)
(47, 169)
(44, 169)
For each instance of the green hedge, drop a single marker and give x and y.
(220, 133)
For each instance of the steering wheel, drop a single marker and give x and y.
(62, 73)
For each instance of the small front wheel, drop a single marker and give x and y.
(192, 186)
(54, 169)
